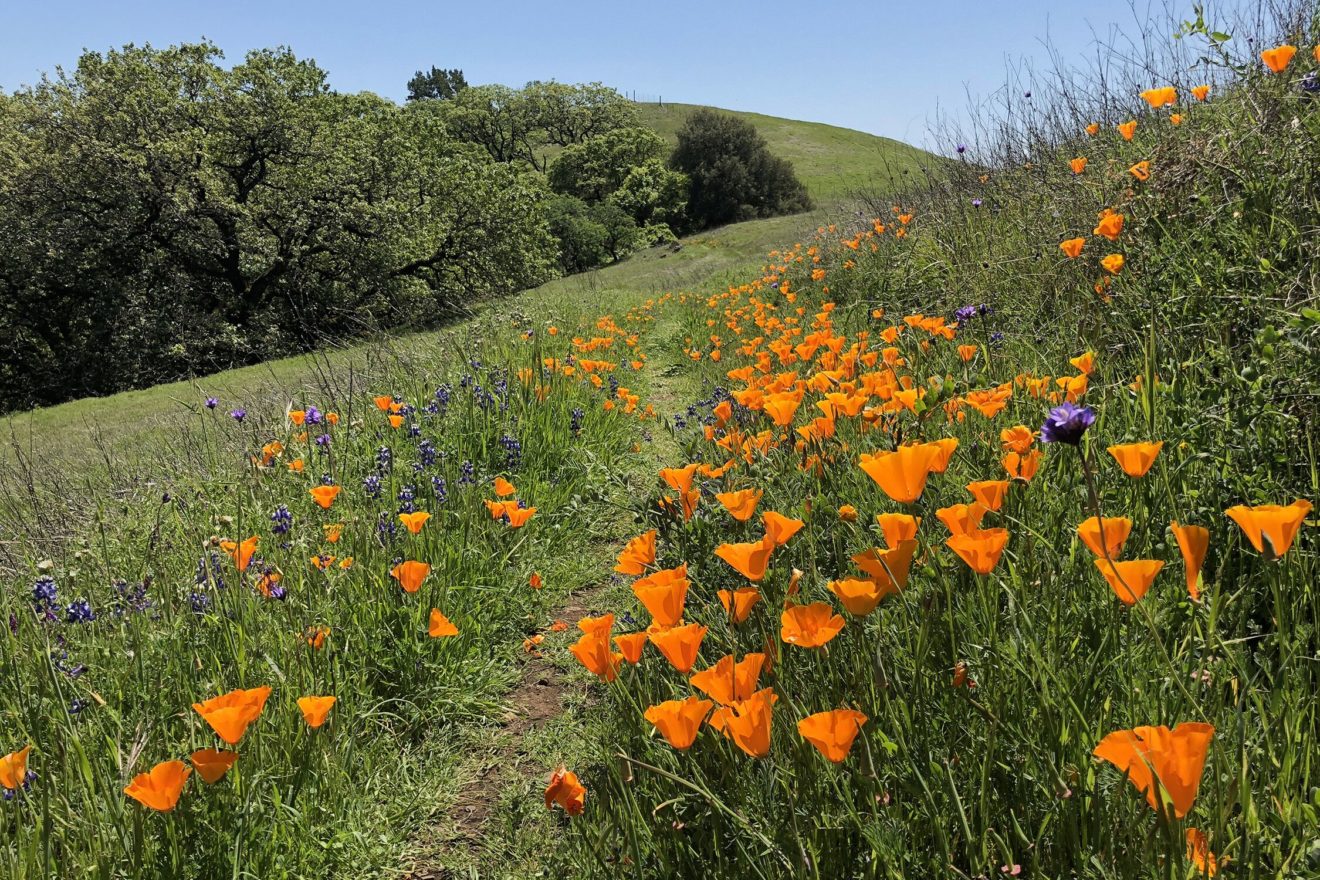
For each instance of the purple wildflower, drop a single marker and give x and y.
(1067, 424)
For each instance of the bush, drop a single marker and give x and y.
(733, 176)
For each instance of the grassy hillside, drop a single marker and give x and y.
(833, 162)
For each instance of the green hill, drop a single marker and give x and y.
(833, 162)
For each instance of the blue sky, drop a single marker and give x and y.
(879, 66)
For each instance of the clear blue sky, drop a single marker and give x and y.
(878, 66)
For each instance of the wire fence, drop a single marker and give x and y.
(644, 98)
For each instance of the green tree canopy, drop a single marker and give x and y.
(436, 84)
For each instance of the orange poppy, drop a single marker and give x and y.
(832, 732)
(980, 549)
(748, 559)
(160, 788)
(741, 504)
(315, 710)
(593, 652)
(637, 554)
(316, 636)
(897, 527)
(680, 645)
(410, 574)
(728, 682)
(1200, 92)
(782, 407)
(847, 513)
(229, 715)
(631, 646)
(1175, 118)
(1278, 58)
(1110, 226)
(1116, 530)
(990, 493)
(1023, 467)
(534, 581)
(747, 723)
(1160, 97)
(1078, 165)
(1127, 129)
(211, 764)
(1141, 170)
(439, 626)
(1129, 580)
(679, 721)
(324, 495)
(679, 479)
(1193, 541)
(396, 421)
(297, 416)
(1157, 759)
(946, 447)
(779, 528)
(565, 789)
(13, 768)
(1136, 458)
(1269, 527)
(1198, 849)
(664, 594)
(414, 521)
(1072, 247)
(383, 402)
(499, 509)
(503, 488)
(1084, 362)
(860, 596)
(333, 531)
(738, 604)
(901, 474)
(889, 567)
(296, 466)
(961, 519)
(518, 516)
(599, 627)
(1113, 264)
(809, 626)
(967, 352)
(1093, 129)
(241, 553)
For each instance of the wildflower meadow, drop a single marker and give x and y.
(968, 535)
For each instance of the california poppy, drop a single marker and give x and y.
(902, 473)
(897, 527)
(1022, 466)
(944, 447)
(961, 519)
(593, 652)
(747, 723)
(1200, 92)
(847, 513)
(980, 549)
(565, 789)
(631, 646)
(728, 682)
(1193, 541)
(1278, 58)
(503, 488)
(859, 596)
(241, 553)
(1136, 458)
(517, 517)
(1156, 758)
(439, 626)
(1072, 247)
(1113, 264)
(967, 352)
(315, 710)
(991, 493)
(1160, 97)
(679, 479)
(1269, 527)
(13, 768)
(1141, 170)
(598, 627)
(1110, 226)
(680, 645)
(888, 567)
(212, 764)
(738, 604)
(1129, 580)
(160, 788)
(637, 554)
(324, 495)
(230, 714)
(1127, 129)
(664, 594)
(534, 581)
(1078, 165)
(741, 504)
(1116, 530)
(1093, 129)
(833, 732)
(809, 626)
(410, 574)
(679, 721)
(779, 528)
(1199, 854)
(414, 521)
(333, 531)
(748, 559)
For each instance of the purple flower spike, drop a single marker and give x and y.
(1067, 424)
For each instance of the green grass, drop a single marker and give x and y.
(834, 163)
